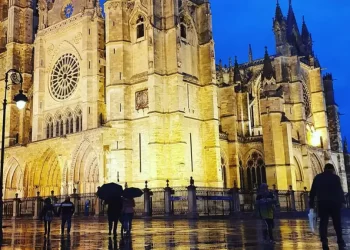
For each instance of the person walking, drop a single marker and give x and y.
(328, 191)
(87, 207)
(128, 214)
(47, 214)
(66, 211)
(114, 214)
(265, 206)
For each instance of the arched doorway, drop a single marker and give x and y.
(13, 177)
(46, 175)
(223, 172)
(315, 165)
(85, 169)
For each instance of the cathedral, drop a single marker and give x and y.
(133, 94)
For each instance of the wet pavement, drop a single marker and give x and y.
(215, 234)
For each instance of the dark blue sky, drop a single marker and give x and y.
(237, 23)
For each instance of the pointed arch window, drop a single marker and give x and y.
(140, 27)
(49, 128)
(78, 121)
(69, 124)
(183, 30)
(255, 172)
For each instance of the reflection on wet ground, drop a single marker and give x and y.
(215, 234)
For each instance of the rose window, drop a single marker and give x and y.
(64, 77)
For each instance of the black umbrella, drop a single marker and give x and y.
(110, 191)
(132, 192)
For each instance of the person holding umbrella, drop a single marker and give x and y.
(114, 214)
(128, 207)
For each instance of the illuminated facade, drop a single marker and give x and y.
(136, 96)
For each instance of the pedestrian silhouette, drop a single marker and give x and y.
(114, 215)
(47, 214)
(330, 198)
(66, 211)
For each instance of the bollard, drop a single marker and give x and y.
(37, 206)
(147, 211)
(75, 198)
(16, 208)
(292, 198)
(306, 199)
(192, 201)
(168, 191)
(97, 205)
(236, 204)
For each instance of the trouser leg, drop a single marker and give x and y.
(324, 218)
(63, 223)
(115, 227)
(48, 227)
(110, 225)
(69, 224)
(336, 218)
(45, 226)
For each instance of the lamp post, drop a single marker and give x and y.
(21, 100)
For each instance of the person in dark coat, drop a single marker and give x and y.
(66, 211)
(265, 205)
(330, 199)
(47, 214)
(114, 214)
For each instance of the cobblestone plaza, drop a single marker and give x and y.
(166, 234)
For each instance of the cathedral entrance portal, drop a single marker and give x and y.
(85, 171)
(45, 175)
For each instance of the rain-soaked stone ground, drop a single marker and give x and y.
(215, 234)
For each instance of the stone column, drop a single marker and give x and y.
(292, 198)
(16, 208)
(168, 191)
(147, 200)
(192, 200)
(37, 206)
(306, 199)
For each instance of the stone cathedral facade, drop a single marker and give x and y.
(134, 94)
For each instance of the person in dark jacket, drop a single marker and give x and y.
(47, 214)
(114, 214)
(330, 198)
(265, 205)
(66, 211)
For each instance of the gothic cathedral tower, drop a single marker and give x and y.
(68, 89)
(161, 92)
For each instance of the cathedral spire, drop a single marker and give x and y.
(268, 71)
(306, 39)
(237, 78)
(278, 15)
(250, 53)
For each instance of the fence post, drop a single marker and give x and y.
(97, 205)
(236, 204)
(292, 198)
(147, 211)
(75, 197)
(168, 191)
(306, 199)
(275, 193)
(192, 200)
(37, 206)
(16, 208)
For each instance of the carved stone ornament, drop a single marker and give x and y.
(141, 99)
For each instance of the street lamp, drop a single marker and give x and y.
(21, 100)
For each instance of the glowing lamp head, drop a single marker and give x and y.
(21, 100)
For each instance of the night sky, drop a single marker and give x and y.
(237, 23)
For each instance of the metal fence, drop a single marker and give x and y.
(210, 202)
(213, 201)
